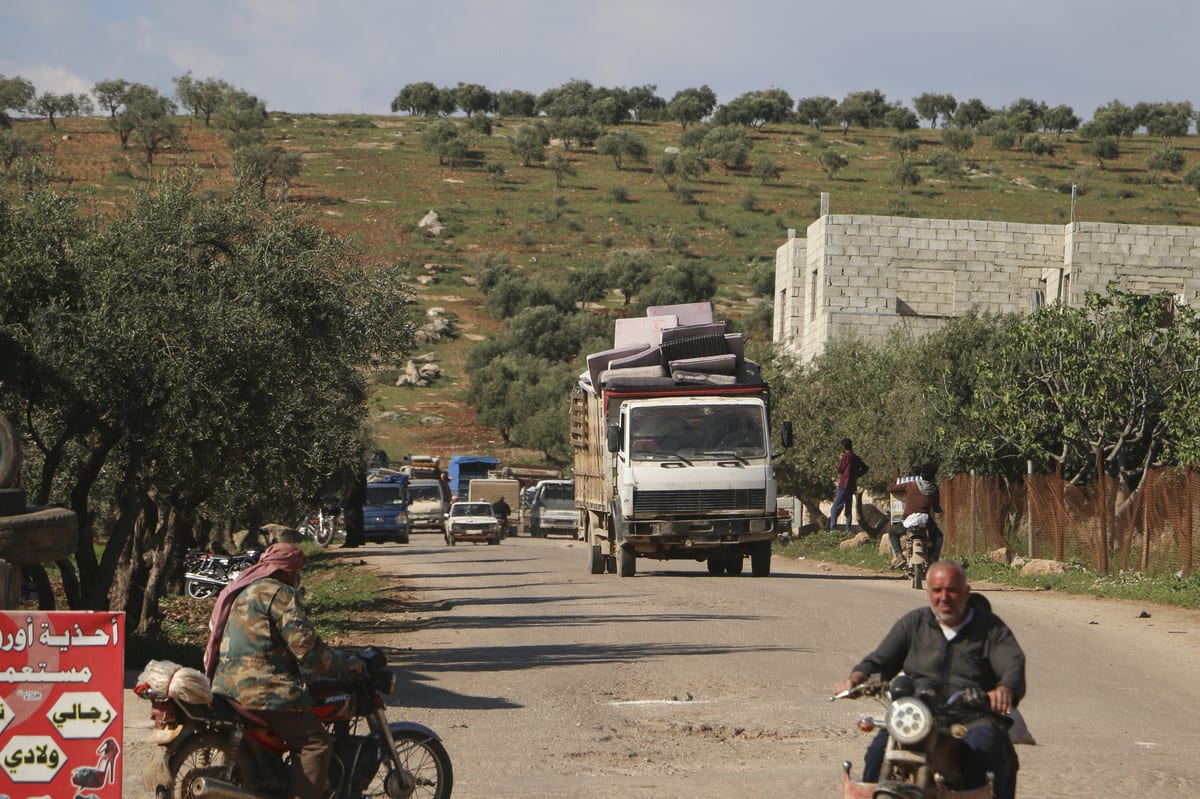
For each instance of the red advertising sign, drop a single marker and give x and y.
(61, 704)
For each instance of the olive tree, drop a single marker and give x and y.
(931, 106)
(185, 361)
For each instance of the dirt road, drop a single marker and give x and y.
(546, 681)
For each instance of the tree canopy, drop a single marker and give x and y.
(185, 362)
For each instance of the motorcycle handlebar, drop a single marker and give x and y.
(865, 688)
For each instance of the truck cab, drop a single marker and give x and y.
(385, 511)
(552, 509)
(427, 504)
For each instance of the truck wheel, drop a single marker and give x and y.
(610, 564)
(760, 559)
(734, 565)
(598, 560)
(716, 565)
(628, 564)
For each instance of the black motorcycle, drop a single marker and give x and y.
(220, 749)
(206, 573)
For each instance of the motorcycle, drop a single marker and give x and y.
(924, 745)
(916, 548)
(223, 750)
(206, 573)
(323, 525)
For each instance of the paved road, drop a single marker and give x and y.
(547, 681)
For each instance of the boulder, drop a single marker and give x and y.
(1040, 566)
(432, 223)
(858, 540)
(1002, 555)
(276, 533)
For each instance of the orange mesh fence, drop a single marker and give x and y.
(1103, 525)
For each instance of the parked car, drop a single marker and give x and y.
(385, 512)
(472, 521)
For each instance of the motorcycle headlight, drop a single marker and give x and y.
(909, 720)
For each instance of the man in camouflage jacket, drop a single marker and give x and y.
(262, 638)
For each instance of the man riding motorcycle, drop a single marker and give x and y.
(953, 646)
(260, 637)
(921, 495)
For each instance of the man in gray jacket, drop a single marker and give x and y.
(954, 646)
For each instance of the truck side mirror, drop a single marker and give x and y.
(614, 438)
(785, 435)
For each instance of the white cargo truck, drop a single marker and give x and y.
(672, 446)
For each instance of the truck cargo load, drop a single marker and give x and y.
(672, 444)
(465, 468)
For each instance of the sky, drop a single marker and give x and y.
(354, 56)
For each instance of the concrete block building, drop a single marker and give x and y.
(874, 277)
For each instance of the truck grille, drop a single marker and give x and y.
(699, 501)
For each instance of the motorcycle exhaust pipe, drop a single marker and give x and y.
(202, 578)
(210, 788)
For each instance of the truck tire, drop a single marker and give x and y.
(716, 565)
(610, 564)
(40, 535)
(734, 565)
(628, 564)
(760, 559)
(598, 560)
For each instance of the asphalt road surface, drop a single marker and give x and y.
(547, 681)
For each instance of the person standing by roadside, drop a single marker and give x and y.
(850, 467)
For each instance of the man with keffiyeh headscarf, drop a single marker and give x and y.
(260, 638)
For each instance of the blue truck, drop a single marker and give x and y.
(465, 468)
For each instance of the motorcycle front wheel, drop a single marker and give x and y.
(323, 535)
(198, 590)
(427, 765)
(201, 756)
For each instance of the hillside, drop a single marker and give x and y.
(371, 179)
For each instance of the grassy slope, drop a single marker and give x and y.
(373, 185)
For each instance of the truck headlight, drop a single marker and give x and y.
(909, 720)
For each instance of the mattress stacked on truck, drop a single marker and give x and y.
(671, 345)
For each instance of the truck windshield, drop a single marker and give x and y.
(385, 495)
(425, 493)
(558, 495)
(697, 432)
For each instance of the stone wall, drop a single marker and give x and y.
(876, 277)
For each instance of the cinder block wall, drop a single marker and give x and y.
(874, 277)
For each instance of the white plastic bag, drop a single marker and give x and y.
(167, 678)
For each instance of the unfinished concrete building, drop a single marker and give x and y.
(874, 277)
